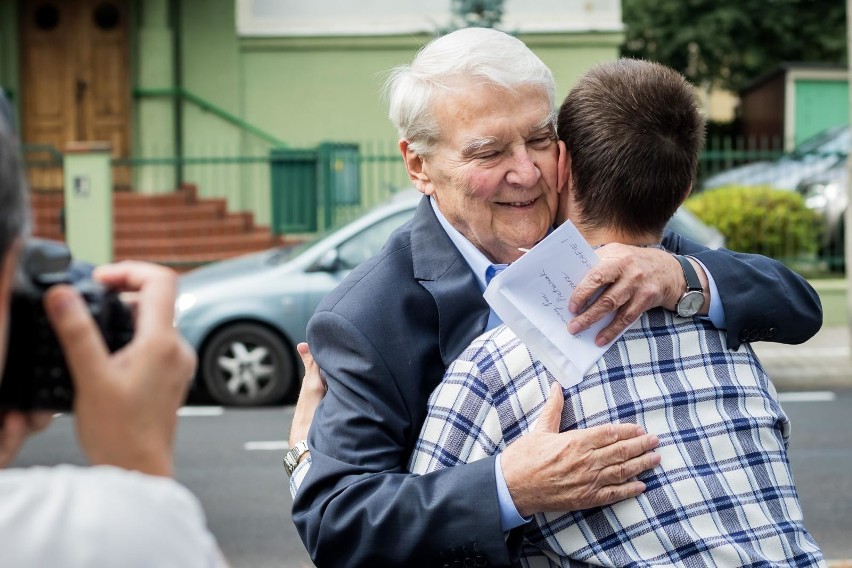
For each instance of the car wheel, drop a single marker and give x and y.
(246, 365)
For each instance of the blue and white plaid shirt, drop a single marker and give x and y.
(723, 494)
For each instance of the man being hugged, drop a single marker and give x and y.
(723, 494)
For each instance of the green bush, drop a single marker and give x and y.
(762, 220)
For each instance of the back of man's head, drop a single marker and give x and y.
(14, 208)
(454, 62)
(634, 132)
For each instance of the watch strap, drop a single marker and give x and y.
(291, 458)
(692, 281)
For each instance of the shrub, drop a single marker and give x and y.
(761, 220)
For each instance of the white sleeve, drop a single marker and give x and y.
(80, 517)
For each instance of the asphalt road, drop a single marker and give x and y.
(231, 460)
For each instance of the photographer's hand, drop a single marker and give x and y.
(15, 426)
(126, 402)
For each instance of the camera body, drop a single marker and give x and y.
(36, 376)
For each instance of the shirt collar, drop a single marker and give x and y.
(477, 261)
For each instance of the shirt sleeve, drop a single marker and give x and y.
(299, 475)
(716, 313)
(101, 516)
(509, 516)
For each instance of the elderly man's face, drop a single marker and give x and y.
(493, 174)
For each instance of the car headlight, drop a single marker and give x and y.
(819, 195)
(184, 302)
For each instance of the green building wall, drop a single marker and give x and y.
(302, 91)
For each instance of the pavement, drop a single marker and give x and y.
(822, 363)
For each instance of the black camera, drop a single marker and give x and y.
(36, 376)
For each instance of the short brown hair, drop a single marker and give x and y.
(634, 132)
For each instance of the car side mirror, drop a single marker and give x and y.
(329, 262)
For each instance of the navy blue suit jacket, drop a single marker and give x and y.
(385, 337)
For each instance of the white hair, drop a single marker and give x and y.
(471, 54)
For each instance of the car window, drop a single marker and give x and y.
(368, 242)
(829, 141)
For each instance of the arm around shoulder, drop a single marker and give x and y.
(358, 506)
(763, 299)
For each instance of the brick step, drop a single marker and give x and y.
(143, 213)
(223, 244)
(132, 199)
(232, 224)
(207, 209)
(186, 195)
(178, 229)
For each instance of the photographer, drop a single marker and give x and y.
(125, 510)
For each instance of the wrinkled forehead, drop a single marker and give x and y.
(485, 111)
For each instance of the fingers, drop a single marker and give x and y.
(624, 318)
(78, 335)
(156, 287)
(313, 377)
(615, 493)
(551, 414)
(39, 420)
(15, 426)
(609, 434)
(636, 280)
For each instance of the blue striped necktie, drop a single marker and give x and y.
(492, 271)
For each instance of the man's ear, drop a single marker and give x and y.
(563, 179)
(414, 165)
(563, 167)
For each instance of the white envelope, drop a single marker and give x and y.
(531, 297)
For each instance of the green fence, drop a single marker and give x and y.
(299, 192)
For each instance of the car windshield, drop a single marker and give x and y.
(284, 253)
(832, 141)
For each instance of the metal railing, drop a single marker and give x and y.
(339, 187)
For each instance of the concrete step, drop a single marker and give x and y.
(178, 229)
(231, 224)
(258, 239)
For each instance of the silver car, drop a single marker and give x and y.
(244, 316)
(813, 157)
(828, 196)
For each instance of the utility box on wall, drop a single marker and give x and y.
(309, 184)
(293, 183)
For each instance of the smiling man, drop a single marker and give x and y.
(475, 113)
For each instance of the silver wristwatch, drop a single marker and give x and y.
(693, 299)
(291, 458)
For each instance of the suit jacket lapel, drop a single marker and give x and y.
(441, 269)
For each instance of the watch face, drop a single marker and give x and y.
(690, 303)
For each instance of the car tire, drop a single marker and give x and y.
(246, 364)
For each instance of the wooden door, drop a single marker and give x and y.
(75, 74)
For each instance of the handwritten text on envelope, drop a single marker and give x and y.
(531, 297)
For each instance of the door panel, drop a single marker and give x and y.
(75, 79)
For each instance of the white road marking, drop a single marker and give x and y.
(807, 396)
(195, 411)
(270, 446)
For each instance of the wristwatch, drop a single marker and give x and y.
(693, 299)
(291, 458)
